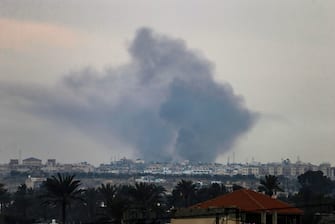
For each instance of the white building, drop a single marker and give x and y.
(32, 162)
(34, 182)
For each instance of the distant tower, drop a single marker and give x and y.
(20, 156)
(298, 159)
(233, 157)
(228, 160)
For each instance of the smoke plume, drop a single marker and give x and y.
(164, 103)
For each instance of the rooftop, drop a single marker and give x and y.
(32, 159)
(250, 201)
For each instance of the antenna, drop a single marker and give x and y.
(20, 156)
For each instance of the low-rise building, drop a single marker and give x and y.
(32, 162)
(34, 182)
(241, 206)
(4, 169)
(14, 162)
(51, 162)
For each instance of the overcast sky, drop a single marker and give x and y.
(277, 57)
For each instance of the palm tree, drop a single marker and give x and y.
(146, 201)
(91, 203)
(4, 197)
(216, 189)
(147, 195)
(62, 190)
(22, 200)
(107, 192)
(210, 192)
(269, 185)
(185, 190)
(116, 200)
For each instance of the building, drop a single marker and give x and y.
(32, 162)
(4, 169)
(205, 216)
(332, 173)
(51, 162)
(250, 170)
(34, 182)
(14, 162)
(326, 169)
(250, 207)
(325, 218)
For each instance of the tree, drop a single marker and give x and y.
(107, 192)
(184, 193)
(237, 187)
(147, 195)
(22, 200)
(91, 203)
(210, 192)
(116, 200)
(314, 192)
(146, 202)
(62, 190)
(4, 201)
(269, 185)
(315, 182)
(4, 198)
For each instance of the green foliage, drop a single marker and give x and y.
(210, 192)
(4, 201)
(183, 195)
(22, 200)
(91, 198)
(140, 198)
(62, 190)
(24, 207)
(237, 187)
(121, 203)
(115, 199)
(4, 197)
(107, 192)
(315, 182)
(270, 185)
(147, 195)
(314, 195)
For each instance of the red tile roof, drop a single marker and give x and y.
(250, 201)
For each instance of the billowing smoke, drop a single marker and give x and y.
(164, 103)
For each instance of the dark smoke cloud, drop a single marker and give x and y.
(164, 103)
(208, 117)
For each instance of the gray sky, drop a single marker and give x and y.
(278, 55)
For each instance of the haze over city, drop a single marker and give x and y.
(167, 80)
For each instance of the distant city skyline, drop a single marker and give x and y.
(229, 160)
(217, 78)
(147, 169)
